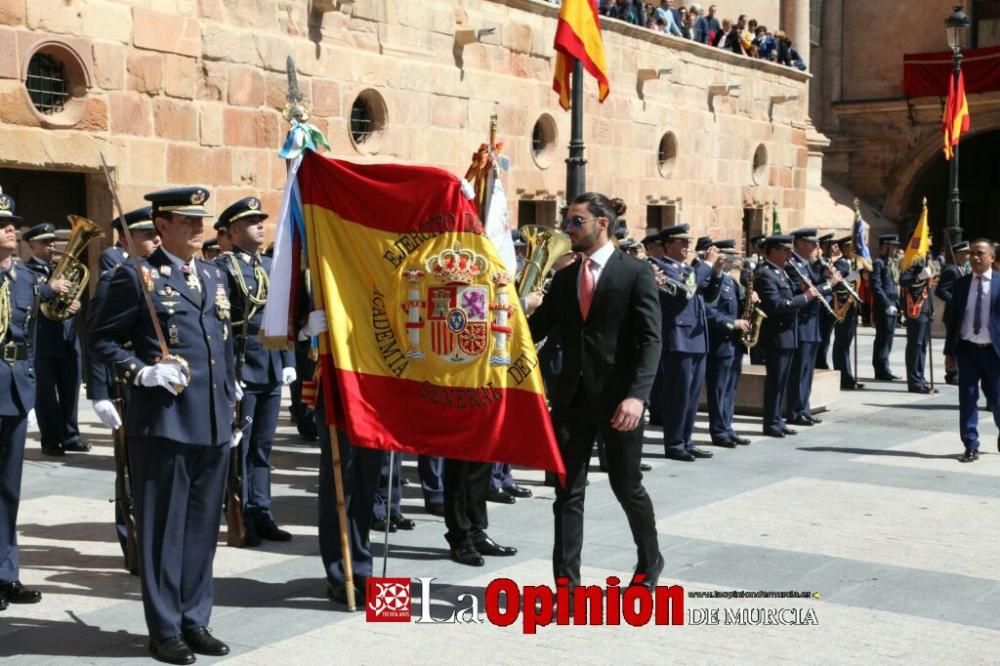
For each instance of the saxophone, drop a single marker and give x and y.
(751, 312)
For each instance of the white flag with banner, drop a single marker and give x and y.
(498, 227)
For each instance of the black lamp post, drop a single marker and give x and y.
(576, 163)
(955, 25)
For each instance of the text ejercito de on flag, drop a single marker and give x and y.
(427, 346)
(578, 37)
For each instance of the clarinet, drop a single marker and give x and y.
(809, 284)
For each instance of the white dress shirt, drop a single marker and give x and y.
(194, 282)
(598, 260)
(969, 318)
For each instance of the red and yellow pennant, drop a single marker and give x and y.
(427, 346)
(955, 122)
(578, 37)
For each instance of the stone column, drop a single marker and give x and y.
(795, 23)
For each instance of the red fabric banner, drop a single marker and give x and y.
(927, 74)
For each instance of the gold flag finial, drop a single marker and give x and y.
(925, 202)
(295, 104)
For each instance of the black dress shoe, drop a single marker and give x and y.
(919, 389)
(815, 420)
(500, 497)
(789, 431)
(171, 650)
(76, 446)
(881, 376)
(467, 555)
(517, 491)
(724, 443)
(54, 451)
(490, 547)
(645, 467)
(683, 456)
(801, 421)
(774, 433)
(3, 603)
(700, 453)
(380, 525)
(742, 441)
(401, 522)
(951, 378)
(435, 509)
(16, 593)
(650, 575)
(250, 537)
(201, 641)
(269, 530)
(337, 591)
(970, 455)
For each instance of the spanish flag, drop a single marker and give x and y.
(956, 115)
(578, 37)
(920, 242)
(427, 351)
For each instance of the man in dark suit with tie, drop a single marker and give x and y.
(973, 326)
(949, 275)
(779, 332)
(606, 313)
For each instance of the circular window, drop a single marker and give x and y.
(760, 165)
(543, 140)
(56, 81)
(367, 122)
(666, 155)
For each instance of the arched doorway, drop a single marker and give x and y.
(979, 182)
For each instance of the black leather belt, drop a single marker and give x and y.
(15, 351)
(981, 345)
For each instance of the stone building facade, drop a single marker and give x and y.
(190, 91)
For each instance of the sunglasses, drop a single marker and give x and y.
(577, 221)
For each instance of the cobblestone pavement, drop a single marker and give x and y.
(870, 509)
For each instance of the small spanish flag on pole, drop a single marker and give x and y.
(920, 242)
(578, 37)
(956, 115)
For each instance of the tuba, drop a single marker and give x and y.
(71, 268)
(751, 312)
(544, 246)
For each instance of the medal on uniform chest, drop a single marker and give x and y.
(173, 334)
(221, 302)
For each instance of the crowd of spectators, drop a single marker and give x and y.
(742, 36)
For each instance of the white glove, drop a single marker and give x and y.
(106, 412)
(925, 274)
(468, 190)
(315, 324)
(32, 419)
(852, 276)
(892, 311)
(288, 375)
(165, 374)
(237, 438)
(239, 391)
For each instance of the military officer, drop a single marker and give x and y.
(849, 266)
(653, 245)
(802, 271)
(685, 339)
(725, 354)
(387, 512)
(955, 269)
(262, 371)
(210, 249)
(179, 418)
(826, 320)
(140, 219)
(915, 283)
(57, 360)
(779, 331)
(755, 251)
(18, 311)
(885, 285)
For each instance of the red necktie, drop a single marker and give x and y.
(586, 288)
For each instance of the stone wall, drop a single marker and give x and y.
(190, 91)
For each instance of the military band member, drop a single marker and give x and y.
(755, 250)
(802, 263)
(826, 320)
(210, 249)
(263, 371)
(945, 291)
(915, 283)
(685, 339)
(57, 358)
(179, 418)
(885, 288)
(18, 310)
(387, 510)
(779, 332)
(725, 354)
(139, 219)
(849, 266)
(653, 245)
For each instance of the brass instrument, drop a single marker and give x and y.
(751, 312)
(544, 246)
(69, 267)
(670, 286)
(843, 280)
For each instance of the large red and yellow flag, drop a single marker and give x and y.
(578, 37)
(955, 122)
(920, 242)
(427, 346)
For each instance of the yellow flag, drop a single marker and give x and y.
(920, 242)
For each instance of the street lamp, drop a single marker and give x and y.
(955, 27)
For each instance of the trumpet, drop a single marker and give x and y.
(670, 286)
(809, 284)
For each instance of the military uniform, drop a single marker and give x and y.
(918, 313)
(685, 345)
(177, 444)
(826, 320)
(725, 361)
(18, 313)
(885, 307)
(845, 329)
(57, 362)
(261, 370)
(779, 336)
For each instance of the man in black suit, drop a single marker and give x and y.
(606, 312)
(949, 275)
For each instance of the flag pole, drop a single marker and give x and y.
(955, 198)
(576, 163)
(345, 537)
(388, 516)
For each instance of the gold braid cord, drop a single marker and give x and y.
(841, 307)
(5, 311)
(251, 301)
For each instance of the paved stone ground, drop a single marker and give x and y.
(870, 509)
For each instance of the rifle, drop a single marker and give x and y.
(123, 490)
(236, 531)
